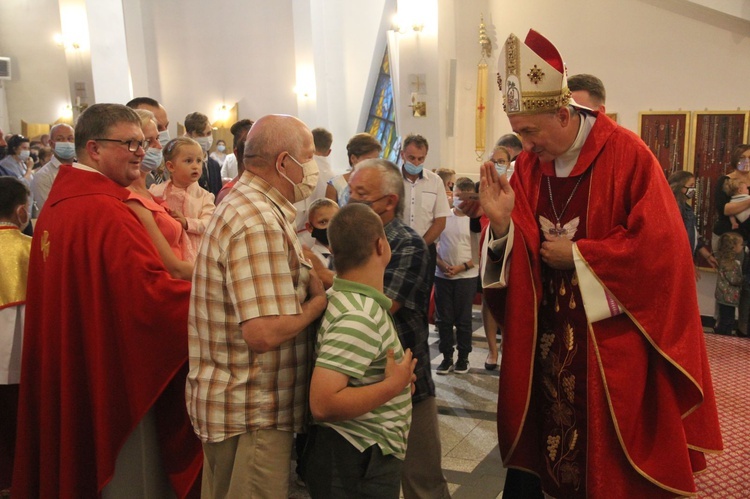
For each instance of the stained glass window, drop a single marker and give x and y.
(381, 121)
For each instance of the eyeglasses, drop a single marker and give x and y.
(368, 203)
(133, 144)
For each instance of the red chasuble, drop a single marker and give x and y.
(105, 342)
(648, 411)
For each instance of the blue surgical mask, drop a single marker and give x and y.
(163, 137)
(501, 168)
(65, 150)
(151, 160)
(412, 169)
(221, 148)
(457, 202)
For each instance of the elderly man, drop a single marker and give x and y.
(251, 329)
(604, 382)
(378, 183)
(101, 408)
(588, 91)
(62, 140)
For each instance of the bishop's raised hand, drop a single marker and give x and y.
(496, 197)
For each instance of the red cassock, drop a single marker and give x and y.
(651, 411)
(105, 342)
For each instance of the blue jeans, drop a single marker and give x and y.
(453, 302)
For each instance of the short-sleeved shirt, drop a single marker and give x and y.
(43, 179)
(354, 340)
(249, 265)
(424, 201)
(406, 282)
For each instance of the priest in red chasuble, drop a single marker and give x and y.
(605, 388)
(102, 406)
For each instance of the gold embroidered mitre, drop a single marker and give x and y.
(532, 76)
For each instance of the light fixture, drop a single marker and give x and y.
(222, 113)
(66, 42)
(66, 112)
(410, 16)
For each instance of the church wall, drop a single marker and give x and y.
(651, 54)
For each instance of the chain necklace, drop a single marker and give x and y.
(552, 201)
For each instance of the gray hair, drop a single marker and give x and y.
(393, 181)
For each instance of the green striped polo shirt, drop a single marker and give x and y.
(356, 333)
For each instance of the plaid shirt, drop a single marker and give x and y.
(248, 266)
(406, 281)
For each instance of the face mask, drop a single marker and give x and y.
(151, 160)
(163, 137)
(744, 165)
(321, 235)
(21, 224)
(310, 180)
(412, 169)
(24, 155)
(221, 148)
(501, 168)
(690, 193)
(65, 150)
(205, 142)
(457, 203)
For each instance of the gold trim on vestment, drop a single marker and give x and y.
(533, 361)
(617, 426)
(647, 336)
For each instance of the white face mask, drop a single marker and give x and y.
(205, 142)
(24, 155)
(303, 190)
(163, 137)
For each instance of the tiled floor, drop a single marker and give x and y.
(466, 413)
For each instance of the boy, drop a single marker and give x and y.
(360, 393)
(14, 267)
(320, 214)
(456, 283)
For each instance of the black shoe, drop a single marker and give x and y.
(490, 366)
(462, 366)
(445, 366)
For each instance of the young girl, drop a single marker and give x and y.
(728, 280)
(189, 204)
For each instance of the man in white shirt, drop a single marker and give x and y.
(62, 138)
(425, 204)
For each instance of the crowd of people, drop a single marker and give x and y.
(189, 317)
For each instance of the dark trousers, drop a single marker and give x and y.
(726, 319)
(335, 469)
(8, 413)
(453, 302)
(522, 485)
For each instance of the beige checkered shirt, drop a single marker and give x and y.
(248, 266)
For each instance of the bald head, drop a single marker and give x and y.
(274, 134)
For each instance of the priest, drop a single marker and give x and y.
(102, 405)
(604, 382)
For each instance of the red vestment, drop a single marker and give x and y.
(650, 400)
(105, 341)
